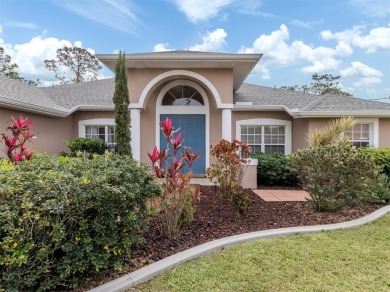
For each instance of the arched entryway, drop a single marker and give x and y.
(186, 103)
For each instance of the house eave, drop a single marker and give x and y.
(335, 114)
(265, 108)
(29, 107)
(241, 64)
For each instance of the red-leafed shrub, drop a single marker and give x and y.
(14, 145)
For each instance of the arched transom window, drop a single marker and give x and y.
(182, 95)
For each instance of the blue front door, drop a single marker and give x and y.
(192, 128)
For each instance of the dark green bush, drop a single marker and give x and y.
(62, 217)
(381, 188)
(273, 170)
(90, 146)
(381, 157)
(336, 175)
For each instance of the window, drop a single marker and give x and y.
(361, 134)
(182, 95)
(265, 135)
(106, 133)
(266, 139)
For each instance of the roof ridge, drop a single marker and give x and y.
(313, 103)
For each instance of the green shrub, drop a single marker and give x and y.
(381, 157)
(273, 170)
(62, 217)
(335, 175)
(90, 146)
(381, 189)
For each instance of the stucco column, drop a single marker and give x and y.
(227, 124)
(135, 130)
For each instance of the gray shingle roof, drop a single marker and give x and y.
(17, 91)
(63, 98)
(333, 102)
(91, 93)
(262, 95)
(304, 102)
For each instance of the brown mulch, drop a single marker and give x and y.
(216, 218)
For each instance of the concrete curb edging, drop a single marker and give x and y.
(146, 273)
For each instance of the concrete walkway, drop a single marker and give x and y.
(282, 195)
(146, 273)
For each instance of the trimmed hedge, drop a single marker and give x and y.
(273, 170)
(90, 146)
(62, 217)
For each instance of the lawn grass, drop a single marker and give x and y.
(343, 260)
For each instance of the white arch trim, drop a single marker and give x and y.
(143, 98)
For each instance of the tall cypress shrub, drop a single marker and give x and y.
(122, 114)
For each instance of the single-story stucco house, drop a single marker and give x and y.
(205, 96)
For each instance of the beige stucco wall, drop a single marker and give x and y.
(384, 132)
(51, 132)
(300, 128)
(222, 79)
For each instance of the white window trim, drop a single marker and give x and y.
(374, 130)
(95, 122)
(267, 122)
(184, 110)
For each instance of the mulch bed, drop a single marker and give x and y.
(216, 218)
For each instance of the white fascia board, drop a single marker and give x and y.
(265, 108)
(178, 56)
(29, 107)
(328, 114)
(92, 108)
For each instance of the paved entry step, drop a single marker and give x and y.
(282, 195)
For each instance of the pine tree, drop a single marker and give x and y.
(122, 114)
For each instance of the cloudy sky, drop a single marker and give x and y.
(297, 38)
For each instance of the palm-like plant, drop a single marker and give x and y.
(332, 134)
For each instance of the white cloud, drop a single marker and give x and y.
(376, 39)
(367, 81)
(161, 47)
(212, 41)
(344, 49)
(325, 65)
(200, 10)
(300, 23)
(373, 8)
(278, 50)
(117, 14)
(367, 75)
(360, 69)
(27, 25)
(30, 57)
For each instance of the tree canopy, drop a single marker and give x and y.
(321, 85)
(122, 115)
(7, 68)
(82, 64)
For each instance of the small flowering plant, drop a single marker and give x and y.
(14, 145)
(179, 196)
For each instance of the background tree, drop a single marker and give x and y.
(323, 84)
(7, 68)
(122, 114)
(82, 64)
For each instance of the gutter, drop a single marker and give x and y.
(26, 106)
(296, 113)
